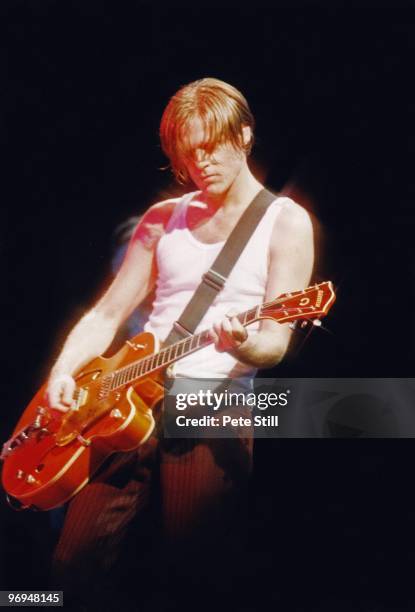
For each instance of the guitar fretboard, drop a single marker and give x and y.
(307, 303)
(157, 361)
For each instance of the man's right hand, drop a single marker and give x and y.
(60, 391)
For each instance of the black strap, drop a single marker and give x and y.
(214, 279)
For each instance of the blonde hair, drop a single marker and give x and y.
(223, 111)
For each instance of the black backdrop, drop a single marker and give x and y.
(330, 84)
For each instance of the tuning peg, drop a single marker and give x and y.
(304, 324)
(293, 325)
(317, 322)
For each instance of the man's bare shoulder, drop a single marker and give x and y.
(293, 217)
(153, 223)
(160, 212)
(292, 246)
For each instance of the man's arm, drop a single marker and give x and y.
(290, 268)
(92, 335)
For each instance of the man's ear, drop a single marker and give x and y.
(246, 135)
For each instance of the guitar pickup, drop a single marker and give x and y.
(80, 399)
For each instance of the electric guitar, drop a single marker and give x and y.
(52, 455)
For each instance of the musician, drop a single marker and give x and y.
(207, 132)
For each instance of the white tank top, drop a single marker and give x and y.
(182, 260)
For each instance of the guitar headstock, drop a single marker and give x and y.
(311, 303)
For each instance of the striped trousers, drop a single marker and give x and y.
(161, 505)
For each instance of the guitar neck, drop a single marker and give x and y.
(169, 354)
(309, 303)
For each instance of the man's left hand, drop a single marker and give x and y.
(229, 333)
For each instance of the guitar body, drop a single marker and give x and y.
(52, 455)
(60, 455)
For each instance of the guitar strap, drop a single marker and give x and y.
(215, 278)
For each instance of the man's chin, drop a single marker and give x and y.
(214, 189)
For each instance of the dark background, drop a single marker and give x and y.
(331, 86)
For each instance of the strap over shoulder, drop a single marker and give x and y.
(215, 278)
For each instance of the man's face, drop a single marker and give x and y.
(212, 171)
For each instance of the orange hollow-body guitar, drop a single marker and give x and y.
(52, 455)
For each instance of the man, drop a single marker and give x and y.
(207, 131)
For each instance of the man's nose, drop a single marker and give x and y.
(201, 159)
